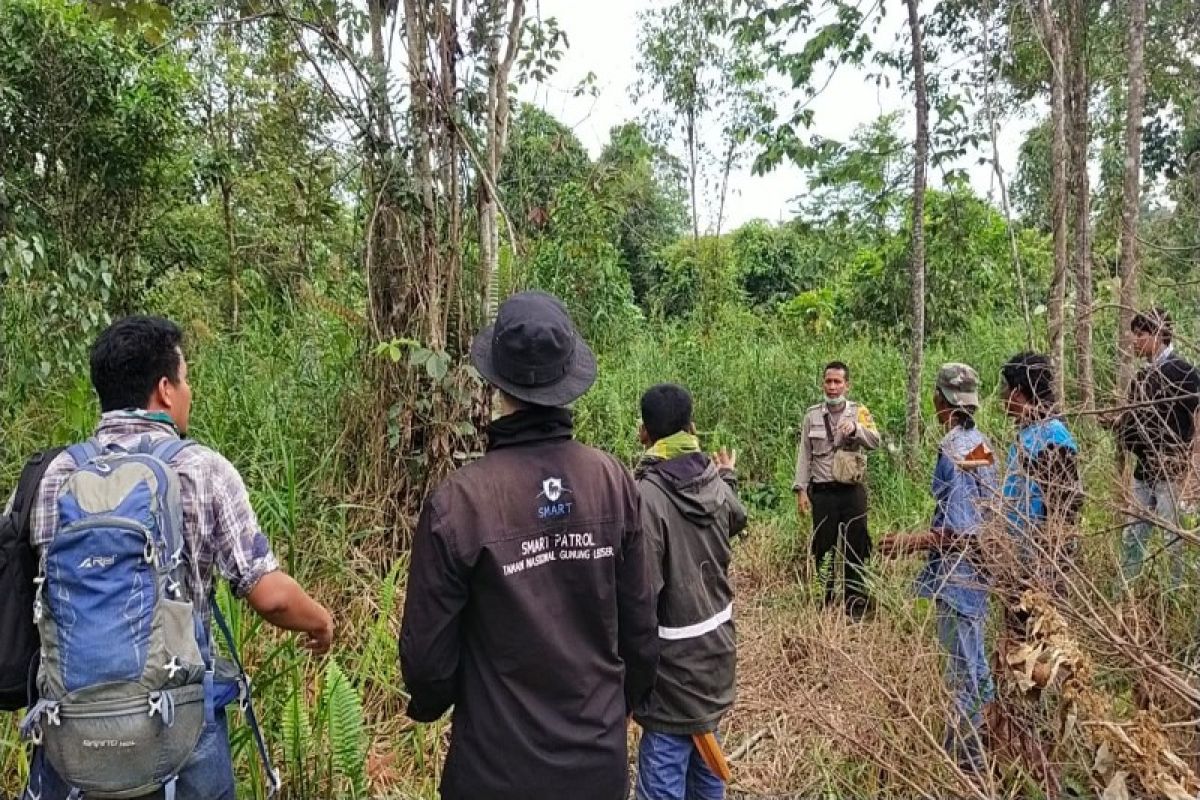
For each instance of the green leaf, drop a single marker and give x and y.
(347, 735)
(296, 729)
(418, 356)
(437, 365)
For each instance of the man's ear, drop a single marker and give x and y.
(691, 428)
(163, 396)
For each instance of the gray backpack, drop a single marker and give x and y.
(127, 678)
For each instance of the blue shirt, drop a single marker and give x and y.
(962, 496)
(1025, 507)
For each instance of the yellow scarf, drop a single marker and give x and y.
(677, 444)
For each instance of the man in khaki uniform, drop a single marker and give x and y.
(839, 508)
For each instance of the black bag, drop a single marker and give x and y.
(19, 642)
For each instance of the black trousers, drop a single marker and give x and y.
(839, 514)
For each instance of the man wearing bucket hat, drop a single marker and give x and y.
(964, 486)
(529, 606)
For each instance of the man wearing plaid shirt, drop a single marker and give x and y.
(140, 375)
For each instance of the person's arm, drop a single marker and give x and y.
(901, 544)
(278, 599)
(637, 613)
(895, 545)
(803, 467)
(244, 558)
(654, 540)
(727, 469)
(430, 636)
(866, 434)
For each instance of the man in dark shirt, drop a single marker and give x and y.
(530, 608)
(1157, 428)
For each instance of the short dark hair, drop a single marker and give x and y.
(1033, 375)
(837, 365)
(131, 356)
(666, 409)
(1154, 321)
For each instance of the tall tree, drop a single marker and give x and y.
(1131, 186)
(916, 358)
(708, 86)
(1077, 98)
(503, 41)
(1050, 32)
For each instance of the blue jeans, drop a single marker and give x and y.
(207, 775)
(969, 679)
(670, 768)
(1159, 498)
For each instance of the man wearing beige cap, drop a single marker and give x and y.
(964, 483)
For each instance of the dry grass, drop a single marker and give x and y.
(826, 705)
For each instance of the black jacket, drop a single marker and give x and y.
(690, 510)
(1159, 430)
(529, 609)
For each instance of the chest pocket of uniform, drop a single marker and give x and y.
(818, 440)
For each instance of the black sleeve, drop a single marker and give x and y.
(654, 542)
(1131, 424)
(637, 613)
(1183, 387)
(429, 635)
(1056, 472)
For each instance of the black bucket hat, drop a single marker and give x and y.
(533, 352)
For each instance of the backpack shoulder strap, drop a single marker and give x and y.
(247, 702)
(27, 486)
(84, 452)
(167, 449)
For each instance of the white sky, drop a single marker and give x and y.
(603, 40)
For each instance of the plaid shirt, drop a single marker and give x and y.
(220, 528)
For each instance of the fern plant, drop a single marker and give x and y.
(341, 710)
(378, 662)
(296, 728)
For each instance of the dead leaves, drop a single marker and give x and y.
(1137, 751)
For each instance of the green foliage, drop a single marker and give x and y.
(1030, 187)
(968, 269)
(701, 77)
(340, 706)
(273, 187)
(91, 125)
(775, 263)
(697, 278)
(542, 155)
(642, 185)
(813, 311)
(838, 32)
(864, 183)
(295, 727)
(578, 260)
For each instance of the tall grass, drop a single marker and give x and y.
(271, 398)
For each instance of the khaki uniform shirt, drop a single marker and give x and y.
(814, 450)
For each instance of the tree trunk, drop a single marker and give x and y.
(726, 168)
(1131, 191)
(998, 172)
(1078, 95)
(497, 141)
(230, 250)
(912, 424)
(1051, 33)
(692, 168)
